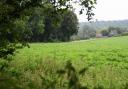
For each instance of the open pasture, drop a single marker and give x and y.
(105, 58)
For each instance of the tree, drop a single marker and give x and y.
(36, 24)
(61, 30)
(116, 30)
(51, 27)
(12, 9)
(69, 26)
(105, 32)
(86, 32)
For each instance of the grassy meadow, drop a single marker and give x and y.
(105, 58)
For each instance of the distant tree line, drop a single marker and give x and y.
(98, 25)
(86, 32)
(114, 31)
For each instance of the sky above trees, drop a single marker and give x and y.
(108, 10)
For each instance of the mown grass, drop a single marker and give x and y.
(105, 58)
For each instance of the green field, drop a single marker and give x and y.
(107, 59)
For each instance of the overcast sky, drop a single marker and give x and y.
(108, 10)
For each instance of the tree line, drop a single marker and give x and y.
(93, 30)
(50, 31)
(43, 28)
(114, 31)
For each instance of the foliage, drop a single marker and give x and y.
(124, 34)
(13, 10)
(73, 76)
(36, 23)
(51, 27)
(17, 32)
(86, 32)
(69, 26)
(62, 30)
(117, 29)
(113, 31)
(105, 32)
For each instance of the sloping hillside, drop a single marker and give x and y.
(105, 24)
